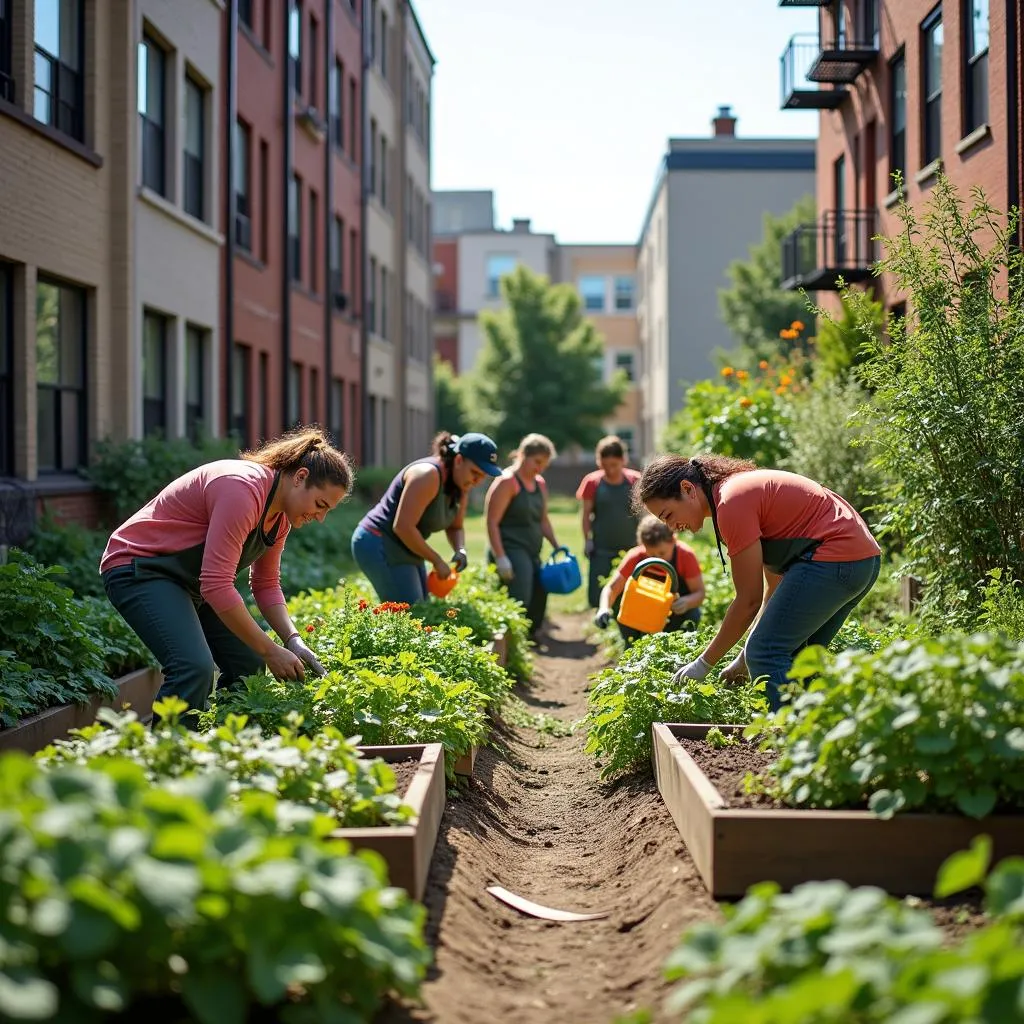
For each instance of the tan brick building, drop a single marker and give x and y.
(909, 86)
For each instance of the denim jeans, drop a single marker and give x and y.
(393, 581)
(188, 639)
(809, 606)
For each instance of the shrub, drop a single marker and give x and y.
(75, 548)
(1002, 606)
(123, 651)
(119, 897)
(319, 555)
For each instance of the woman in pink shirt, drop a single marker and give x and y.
(801, 557)
(170, 569)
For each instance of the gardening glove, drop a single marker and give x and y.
(602, 618)
(679, 605)
(505, 570)
(697, 669)
(302, 652)
(588, 547)
(460, 560)
(736, 671)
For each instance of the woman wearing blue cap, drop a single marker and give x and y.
(390, 543)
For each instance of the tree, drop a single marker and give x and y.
(540, 368)
(449, 400)
(755, 308)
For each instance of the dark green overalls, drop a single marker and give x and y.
(613, 529)
(522, 536)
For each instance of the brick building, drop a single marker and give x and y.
(909, 86)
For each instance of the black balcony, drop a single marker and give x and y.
(840, 245)
(805, 3)
(841, 61)
(798, 91)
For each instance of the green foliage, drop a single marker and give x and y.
(123, 651)
(323, 771)
(539, 368)
(841, 344)
(50, 656)
(754, 306)
(1002, 606)
(74, 547)
(130, 473)
(449, 398)
(121, 898)
(827, 952)
(628, 698)
(318, 555)
(949, 387)
(926, 725)
(747, 420)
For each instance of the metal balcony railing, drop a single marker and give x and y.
(804, 3)
(798, 91)
(839, 245)
(841, 61)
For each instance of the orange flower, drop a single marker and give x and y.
(428, 629)
(787, 334)
(742, 375)
(363, 604)
(797, 326)
(746, 403)
(763, 364)
(452, 612)
(785, 380)
(780, 390)
(310, 628)
(727, 371)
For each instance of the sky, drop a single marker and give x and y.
(564, 107)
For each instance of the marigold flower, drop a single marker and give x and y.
(763, 364)
(785, 380)
(363, 604)
(797, 325)
(780, 390)
(727, 371)
(786, 333)
(746, 403)
(742, 375)
(428, 629)
(452, 612)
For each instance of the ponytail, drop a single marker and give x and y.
(306, 448)
(443, 448)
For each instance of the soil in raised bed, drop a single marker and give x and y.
(404, 772)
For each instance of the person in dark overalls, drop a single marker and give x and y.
(170, 569)
(609, 520)
(428, 496)
(517, 524)
(656, 540)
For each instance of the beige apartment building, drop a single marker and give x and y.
(67, 171)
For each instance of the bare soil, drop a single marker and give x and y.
(728, 767)
(536, 819)
(404, 772)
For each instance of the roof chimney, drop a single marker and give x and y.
(521, 225)
(724, 124)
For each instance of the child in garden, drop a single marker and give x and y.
(609, 521)
(801, 557)
(656, 540)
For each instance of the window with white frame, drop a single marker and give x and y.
(195, 148)
(592, 291)
(152, 106)
(931, 86)
(625, 297)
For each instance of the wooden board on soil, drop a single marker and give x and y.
(735, 847)
(499, 646)
(407, 849)
(136, 690)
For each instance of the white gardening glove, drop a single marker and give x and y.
(304, 654)
(679, 605)
(505, 570)
(736, 671)
(697, 669)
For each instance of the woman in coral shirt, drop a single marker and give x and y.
(170, 569)
(800, 555)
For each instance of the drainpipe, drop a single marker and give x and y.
(287, 122)
(328, 216)
(1013, 101)
(229, 214)
(364, 333)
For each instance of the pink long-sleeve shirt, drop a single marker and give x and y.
(217, 505)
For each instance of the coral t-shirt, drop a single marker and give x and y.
(791, 516)
(587, 489)
(684, 560)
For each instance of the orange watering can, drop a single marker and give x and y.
(647, 600)
(441, 587)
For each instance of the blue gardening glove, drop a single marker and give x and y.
(697, 669)
(460, 560)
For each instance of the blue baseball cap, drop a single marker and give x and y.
(480, 450)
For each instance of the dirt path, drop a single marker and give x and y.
(538, 821)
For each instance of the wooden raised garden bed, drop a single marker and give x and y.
(499, 646)
(734, 848)
(137, 689)
(407, 849)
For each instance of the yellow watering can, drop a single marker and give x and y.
(647, 600)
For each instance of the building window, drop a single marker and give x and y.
(268, 25)
(6, 52)
(592, 291)
(372, 164)
(383, 171)
(6, 371)
(154, 374)
(497, 267)
(336, 413)
(313, 56)
(384, 44)
(152, 103)
(353, 119)
(976, 73)
(60, 377)
(384, 297)
(624, 294)
(195, 381)
(243, 187)
(371, 298)
(354, 262)
(372, 28)
(897, 117)
(263, 395)
(295, 394)
(624, 361)
(295, 228)
(931, 86)
(245, 12)
(195, 149)
(314, 234)
(314, 395)
(59, 97)
(241, 372)
(264, 200)
(868, 34)
(337, 260)
(336, 101)
(295, 45)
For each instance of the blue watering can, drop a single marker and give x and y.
(560, 576)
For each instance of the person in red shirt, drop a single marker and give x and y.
(802, 558)
(608, 519)
(656, 540)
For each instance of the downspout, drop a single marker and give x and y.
(287, 119)
(364, 333)
(1013, 101)
(329, 219)
(229, 215)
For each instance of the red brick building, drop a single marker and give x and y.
(293, 227)
(910, 86)
(446, 300)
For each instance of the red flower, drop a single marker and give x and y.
(363, 604)
(428, 629)
(391, 606)
(310, 628)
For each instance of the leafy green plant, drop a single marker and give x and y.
(118, 897)
(628, 698)
(323, 771)
(123, 651)
(318, 555)
(1002, 605)
(51, 657)
(517, 712)
(73, 546)
(933, 724)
